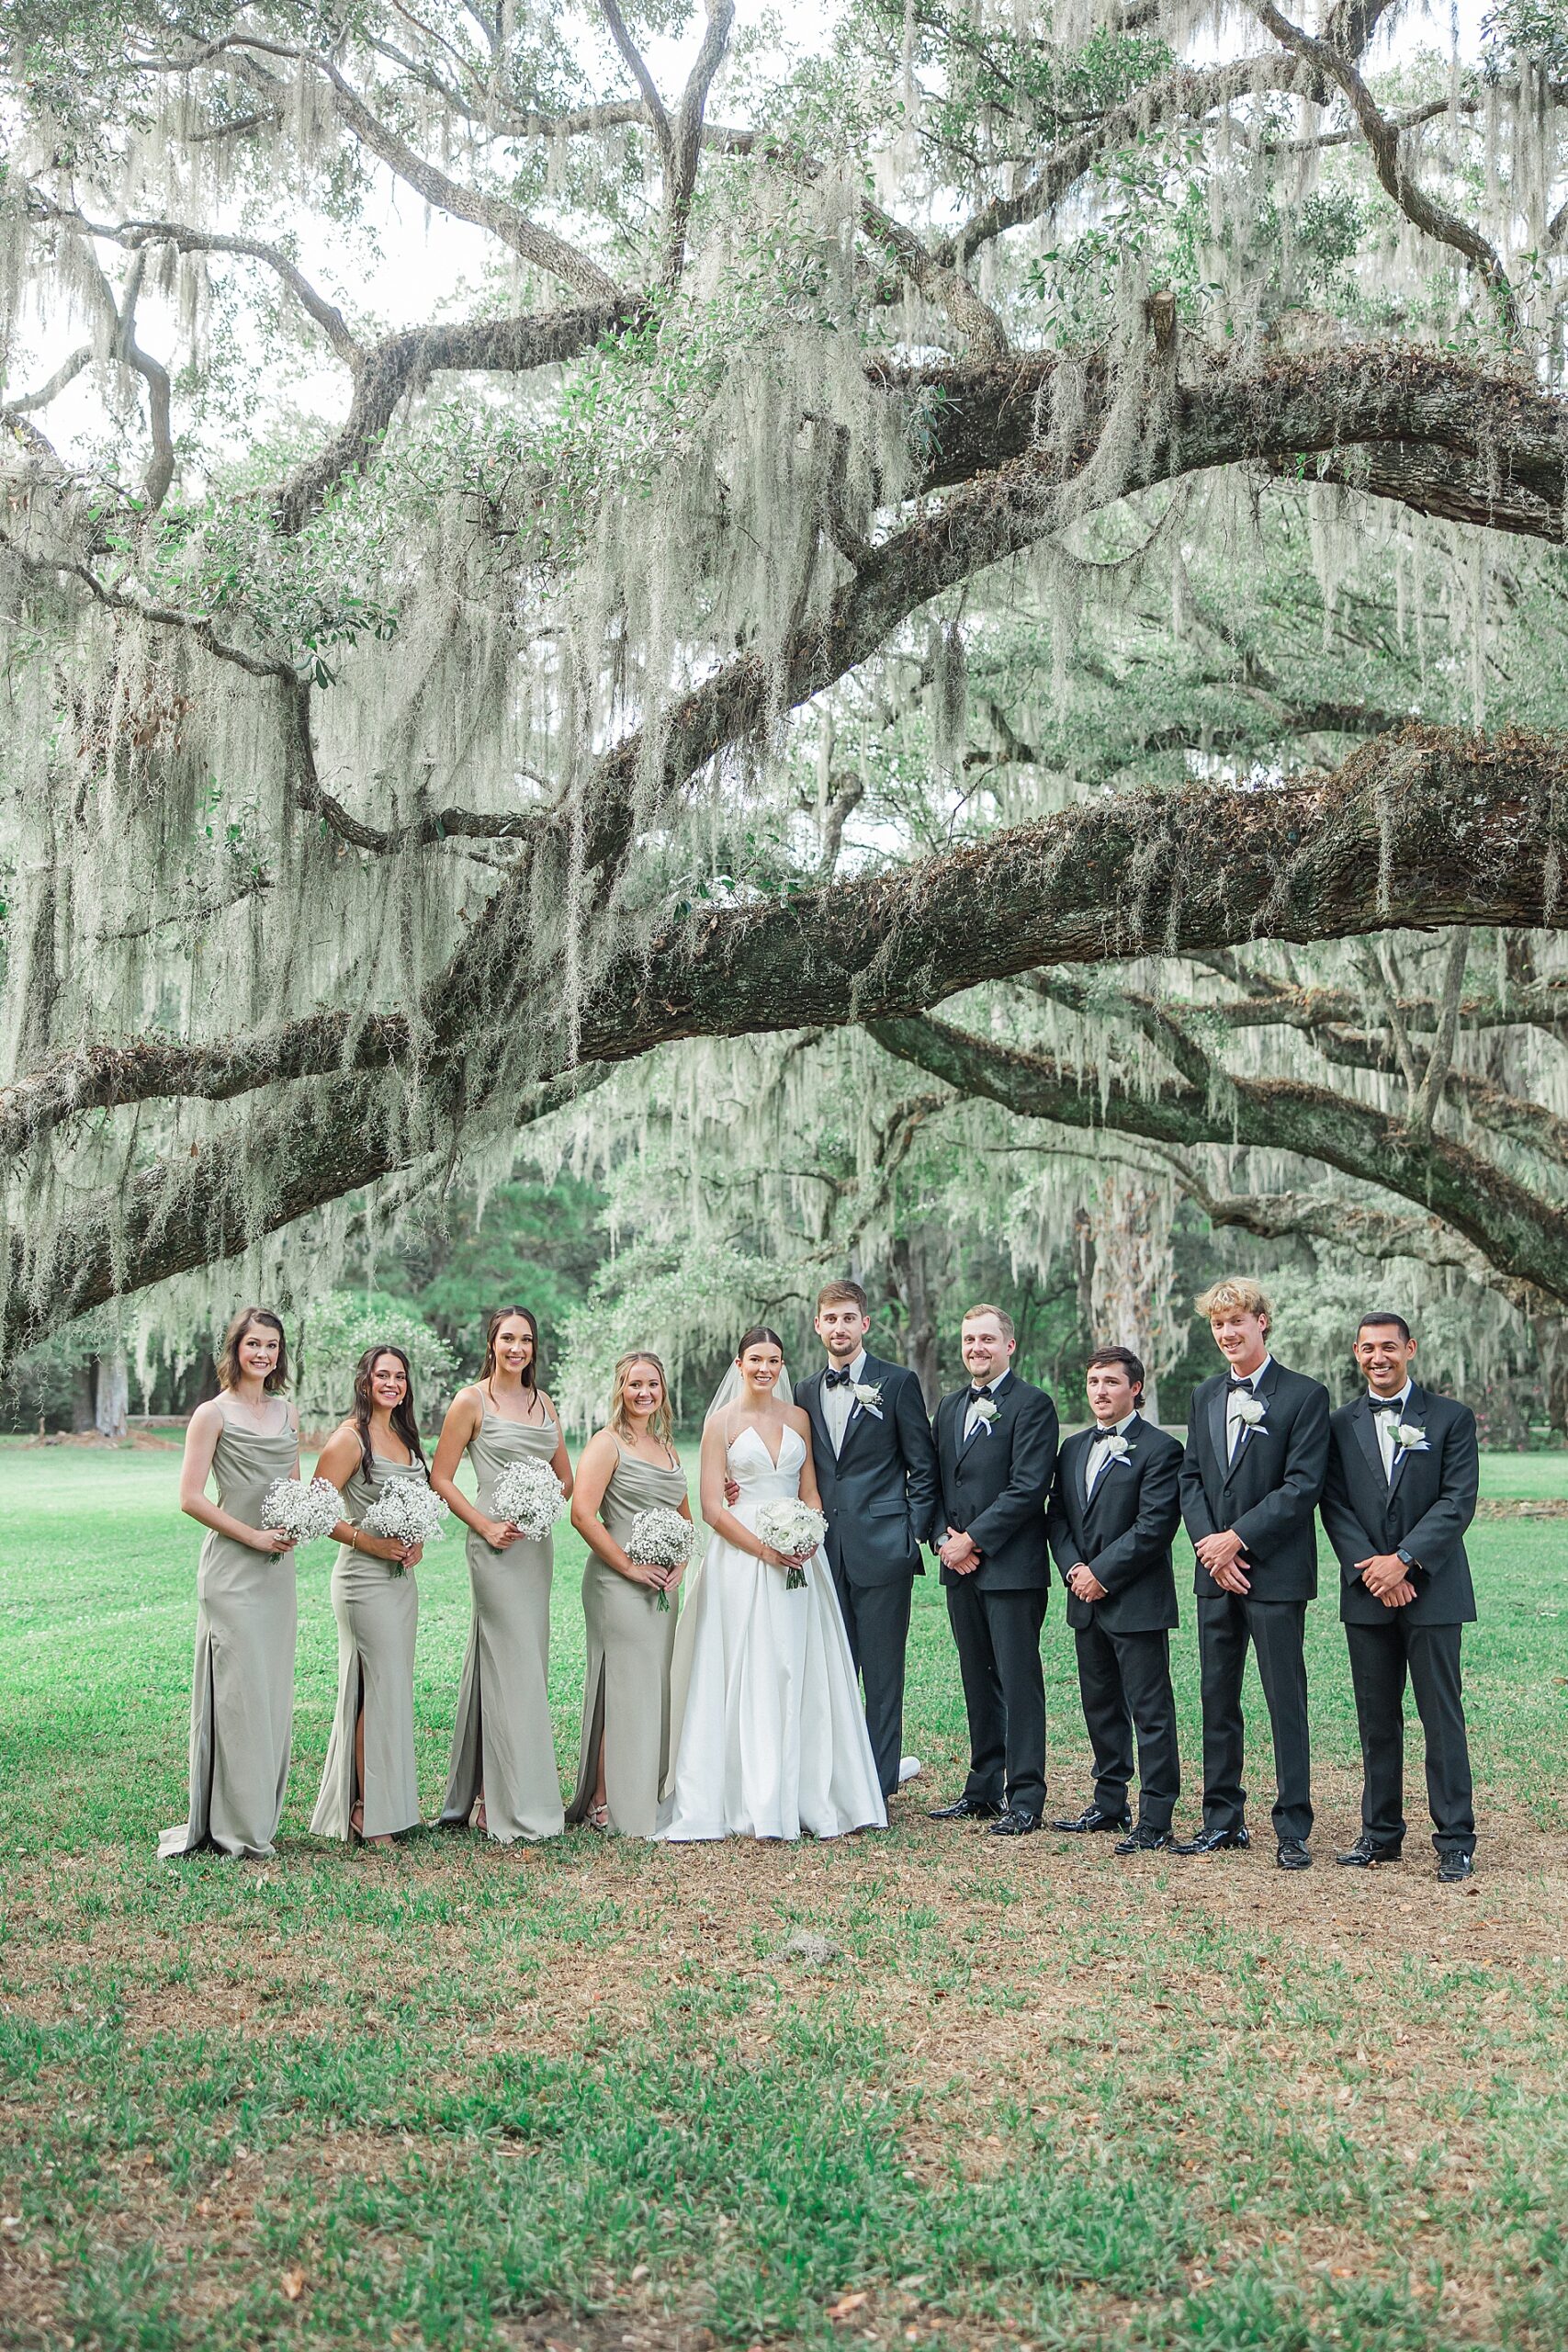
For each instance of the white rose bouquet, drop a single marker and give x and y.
(409, 1512)
(661, 1537)
(793, 1529)
(529, 1496)
(302, 1510)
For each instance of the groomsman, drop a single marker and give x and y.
(995, 1444)
(876, 1474)
(1114, 1509)
(1399, 1495)
(1256, 1449)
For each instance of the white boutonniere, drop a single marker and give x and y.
(1411, 1438)
(867, 1394)
(1252, 1410)
(986, 1411)
(1116, 1448)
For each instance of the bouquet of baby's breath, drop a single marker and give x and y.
(794, 1529)
(406, 1511)
(661, 1537)
(529, 1496)
(303, 1511)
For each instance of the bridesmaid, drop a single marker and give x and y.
(625, 1468)
(370, 1784)
(503, 1756)
(242, 1705)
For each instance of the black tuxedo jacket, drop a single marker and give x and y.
(1270, 1494)
(995, 1488)
(1425, 1509)
(879, 1491)
(1123, 1534)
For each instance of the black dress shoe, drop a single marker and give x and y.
(1144, 1841)
(1213, 1841)
(964, 1809)
(1454, 1868)
(1091, 1818)
(1366, 1854)
(1292, 1855)
(1014, 1824)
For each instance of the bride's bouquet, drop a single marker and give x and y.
(406, 1511)
(529, 1496)
(302, 1510)
(661, 1537)
(794, 1529)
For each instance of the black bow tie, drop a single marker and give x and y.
(837, 1379)
(1236, 1387)
(1385, 1404)
(976, 1393)
(1100, 1435)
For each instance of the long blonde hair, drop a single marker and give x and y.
(660, 1421)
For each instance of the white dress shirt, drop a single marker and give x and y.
(1234, 1423)
(991, 1389)
(1098, 1457)
(1384, 1421)
(838, 1402)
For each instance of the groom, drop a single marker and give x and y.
(876, 1475)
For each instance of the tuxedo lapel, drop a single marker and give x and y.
(1109, 1472)
(1217, 1404)
(1365, 1427)
(1415, 1410)
(871, 1377)
(1262, 1390)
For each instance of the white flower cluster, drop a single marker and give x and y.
(406, 1511)
(659, 1538)
(1252, 1409)
(302, 1512)
(793, 1528)
(529, 1496)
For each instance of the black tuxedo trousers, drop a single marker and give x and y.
(1381, 1656)
(1124, 1683)
(998, 1639)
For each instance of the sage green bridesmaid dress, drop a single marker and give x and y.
(242, 1705)
(502, 1741)
(377, 1616)
(630, 1642)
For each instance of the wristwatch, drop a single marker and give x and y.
(1406, 1559)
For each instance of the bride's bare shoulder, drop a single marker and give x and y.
(797, 1418)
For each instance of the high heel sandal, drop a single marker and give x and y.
(598, 1817)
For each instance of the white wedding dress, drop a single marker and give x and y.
(773, 1739)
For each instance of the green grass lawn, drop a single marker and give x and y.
(918, 2089)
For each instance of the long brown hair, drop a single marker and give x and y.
(403, 1419)
(660, 1421)
(229, 1370)
(530, 1375)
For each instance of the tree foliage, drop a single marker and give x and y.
(802, 536)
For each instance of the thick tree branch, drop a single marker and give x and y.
(1388, 160)
(1521, 1233)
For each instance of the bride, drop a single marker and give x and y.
(773, 1740)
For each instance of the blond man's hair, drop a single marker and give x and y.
(1234, 1295)
(971, 1313)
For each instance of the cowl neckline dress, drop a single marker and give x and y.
(241, 1706)
(378, 1618)
(630, 1642)
(502, 1740)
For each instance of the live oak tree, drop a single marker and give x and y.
(659, 602)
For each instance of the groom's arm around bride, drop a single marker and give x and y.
(876, 1471)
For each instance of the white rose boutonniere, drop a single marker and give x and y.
(986, 1411)
(1116, 1448)
(1252, 1410)
(1411, 1438)
(867, 1394)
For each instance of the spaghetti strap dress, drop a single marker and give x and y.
(241, 1702)
(502, 1740)
(630, 1643)
(378, 1615)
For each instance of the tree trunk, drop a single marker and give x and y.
(1132, 1276)
(112, 1395)
(84, 1394)
(911, 1270)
